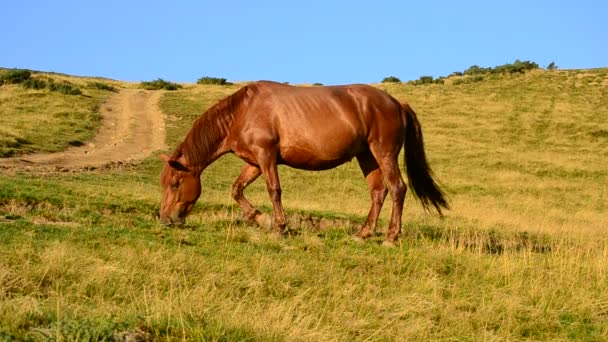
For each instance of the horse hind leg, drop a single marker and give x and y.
(378, 191)
(390, 170)
(249, 173)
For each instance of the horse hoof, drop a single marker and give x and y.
(388, 243)
(263, 220)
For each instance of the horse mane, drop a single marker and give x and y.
(211, 128)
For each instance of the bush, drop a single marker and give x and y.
(517, 67)
(34, 83)
(15, 76)
(212, 80)
(159, 84)
(101, 86)
(391, 79)
(468, 80)
(428, 80)
(477, 70)
(65, 88)
(552, 66)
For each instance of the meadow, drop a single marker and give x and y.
(522, 255)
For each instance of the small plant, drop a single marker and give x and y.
(391, 79)
(15, 76)
(159, 84)
(212, 80)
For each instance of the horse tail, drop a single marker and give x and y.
(419, 173)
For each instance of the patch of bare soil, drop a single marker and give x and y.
(132, 128)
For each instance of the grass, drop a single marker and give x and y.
(522, 255)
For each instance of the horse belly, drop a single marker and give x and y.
(318, 155)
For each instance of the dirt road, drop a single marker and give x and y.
(132, 127)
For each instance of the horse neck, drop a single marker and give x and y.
(204, 143)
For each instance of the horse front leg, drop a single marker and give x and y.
(249, 173)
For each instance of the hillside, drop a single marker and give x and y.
(521, 255)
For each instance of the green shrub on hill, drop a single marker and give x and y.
(15, 76)
(159, 84)
(102, 86)
(212, 80)
(391, 79)
(24, 77)
(34, 83)
(65, 88)
(428, 80)
(509, 68)
(468, 80)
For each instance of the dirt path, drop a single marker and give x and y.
(132, 127)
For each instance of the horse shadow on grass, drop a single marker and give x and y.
(493, 241)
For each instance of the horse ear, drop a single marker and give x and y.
(173, 163)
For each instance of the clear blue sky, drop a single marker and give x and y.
(305, 41)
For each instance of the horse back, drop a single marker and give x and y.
(316, 127)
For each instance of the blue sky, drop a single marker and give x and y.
(331, 42)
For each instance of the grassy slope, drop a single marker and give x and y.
(43, 121)
(522, 255)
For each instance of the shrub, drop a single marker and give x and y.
(552, 66)
(517, 67)
(477, 70)
(34, 83)
(468, 80)
(391, 79)
(65, 88)
(159, 84)
(15, 76)
(212, 80)
(425, 79)
(101, 86)
(428, 80)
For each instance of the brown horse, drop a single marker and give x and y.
(311, 128)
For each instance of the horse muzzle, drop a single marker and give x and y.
(172, 221)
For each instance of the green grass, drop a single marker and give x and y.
(522, 255)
